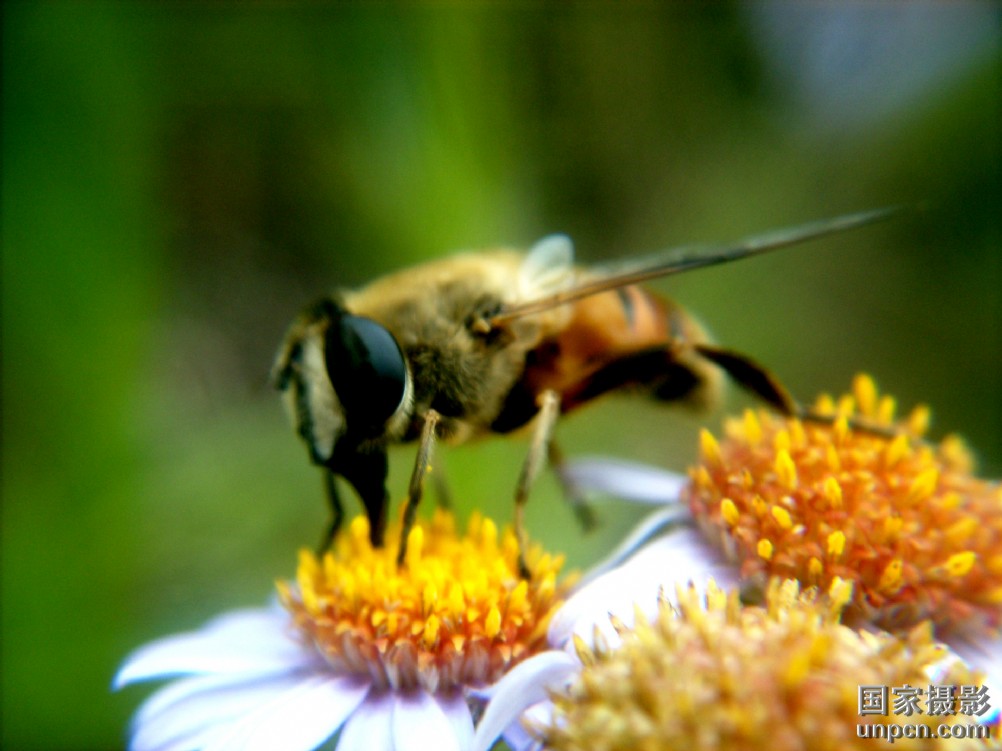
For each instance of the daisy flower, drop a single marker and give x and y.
(903, 519)
(386, 655)
(902, 522)
(709, 673)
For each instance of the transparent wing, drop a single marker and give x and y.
(548, 268)
(560, 289)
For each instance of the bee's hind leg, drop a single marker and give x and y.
(549, 409)
(756, 379)
(583, 510)
(416, 488)
(752, 377)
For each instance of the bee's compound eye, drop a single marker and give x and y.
(366, 368)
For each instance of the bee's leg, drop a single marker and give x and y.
(421, 465)
(856, 423)
(337, 512)
(755, 378)
(752, 377)
(549, 408)
(366, 471)
(579, 504)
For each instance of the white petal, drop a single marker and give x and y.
(518, 738)
(299, 719)
(983, 653)
(191, 709)
(649, 526)
(457, 711)
(680, 557)
(526, 684)
(630, 481)
(370, 728)
(420, 724)
(251, 640)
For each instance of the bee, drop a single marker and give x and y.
(485, 343)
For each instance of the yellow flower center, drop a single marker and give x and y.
(902, 519)
(455, 614)
(720, 676)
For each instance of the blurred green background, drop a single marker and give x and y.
(178, 179)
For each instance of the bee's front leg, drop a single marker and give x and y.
(337, 512)
(416, 488)
(549, 409)
(366, 470)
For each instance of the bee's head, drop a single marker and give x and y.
(345, 378)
